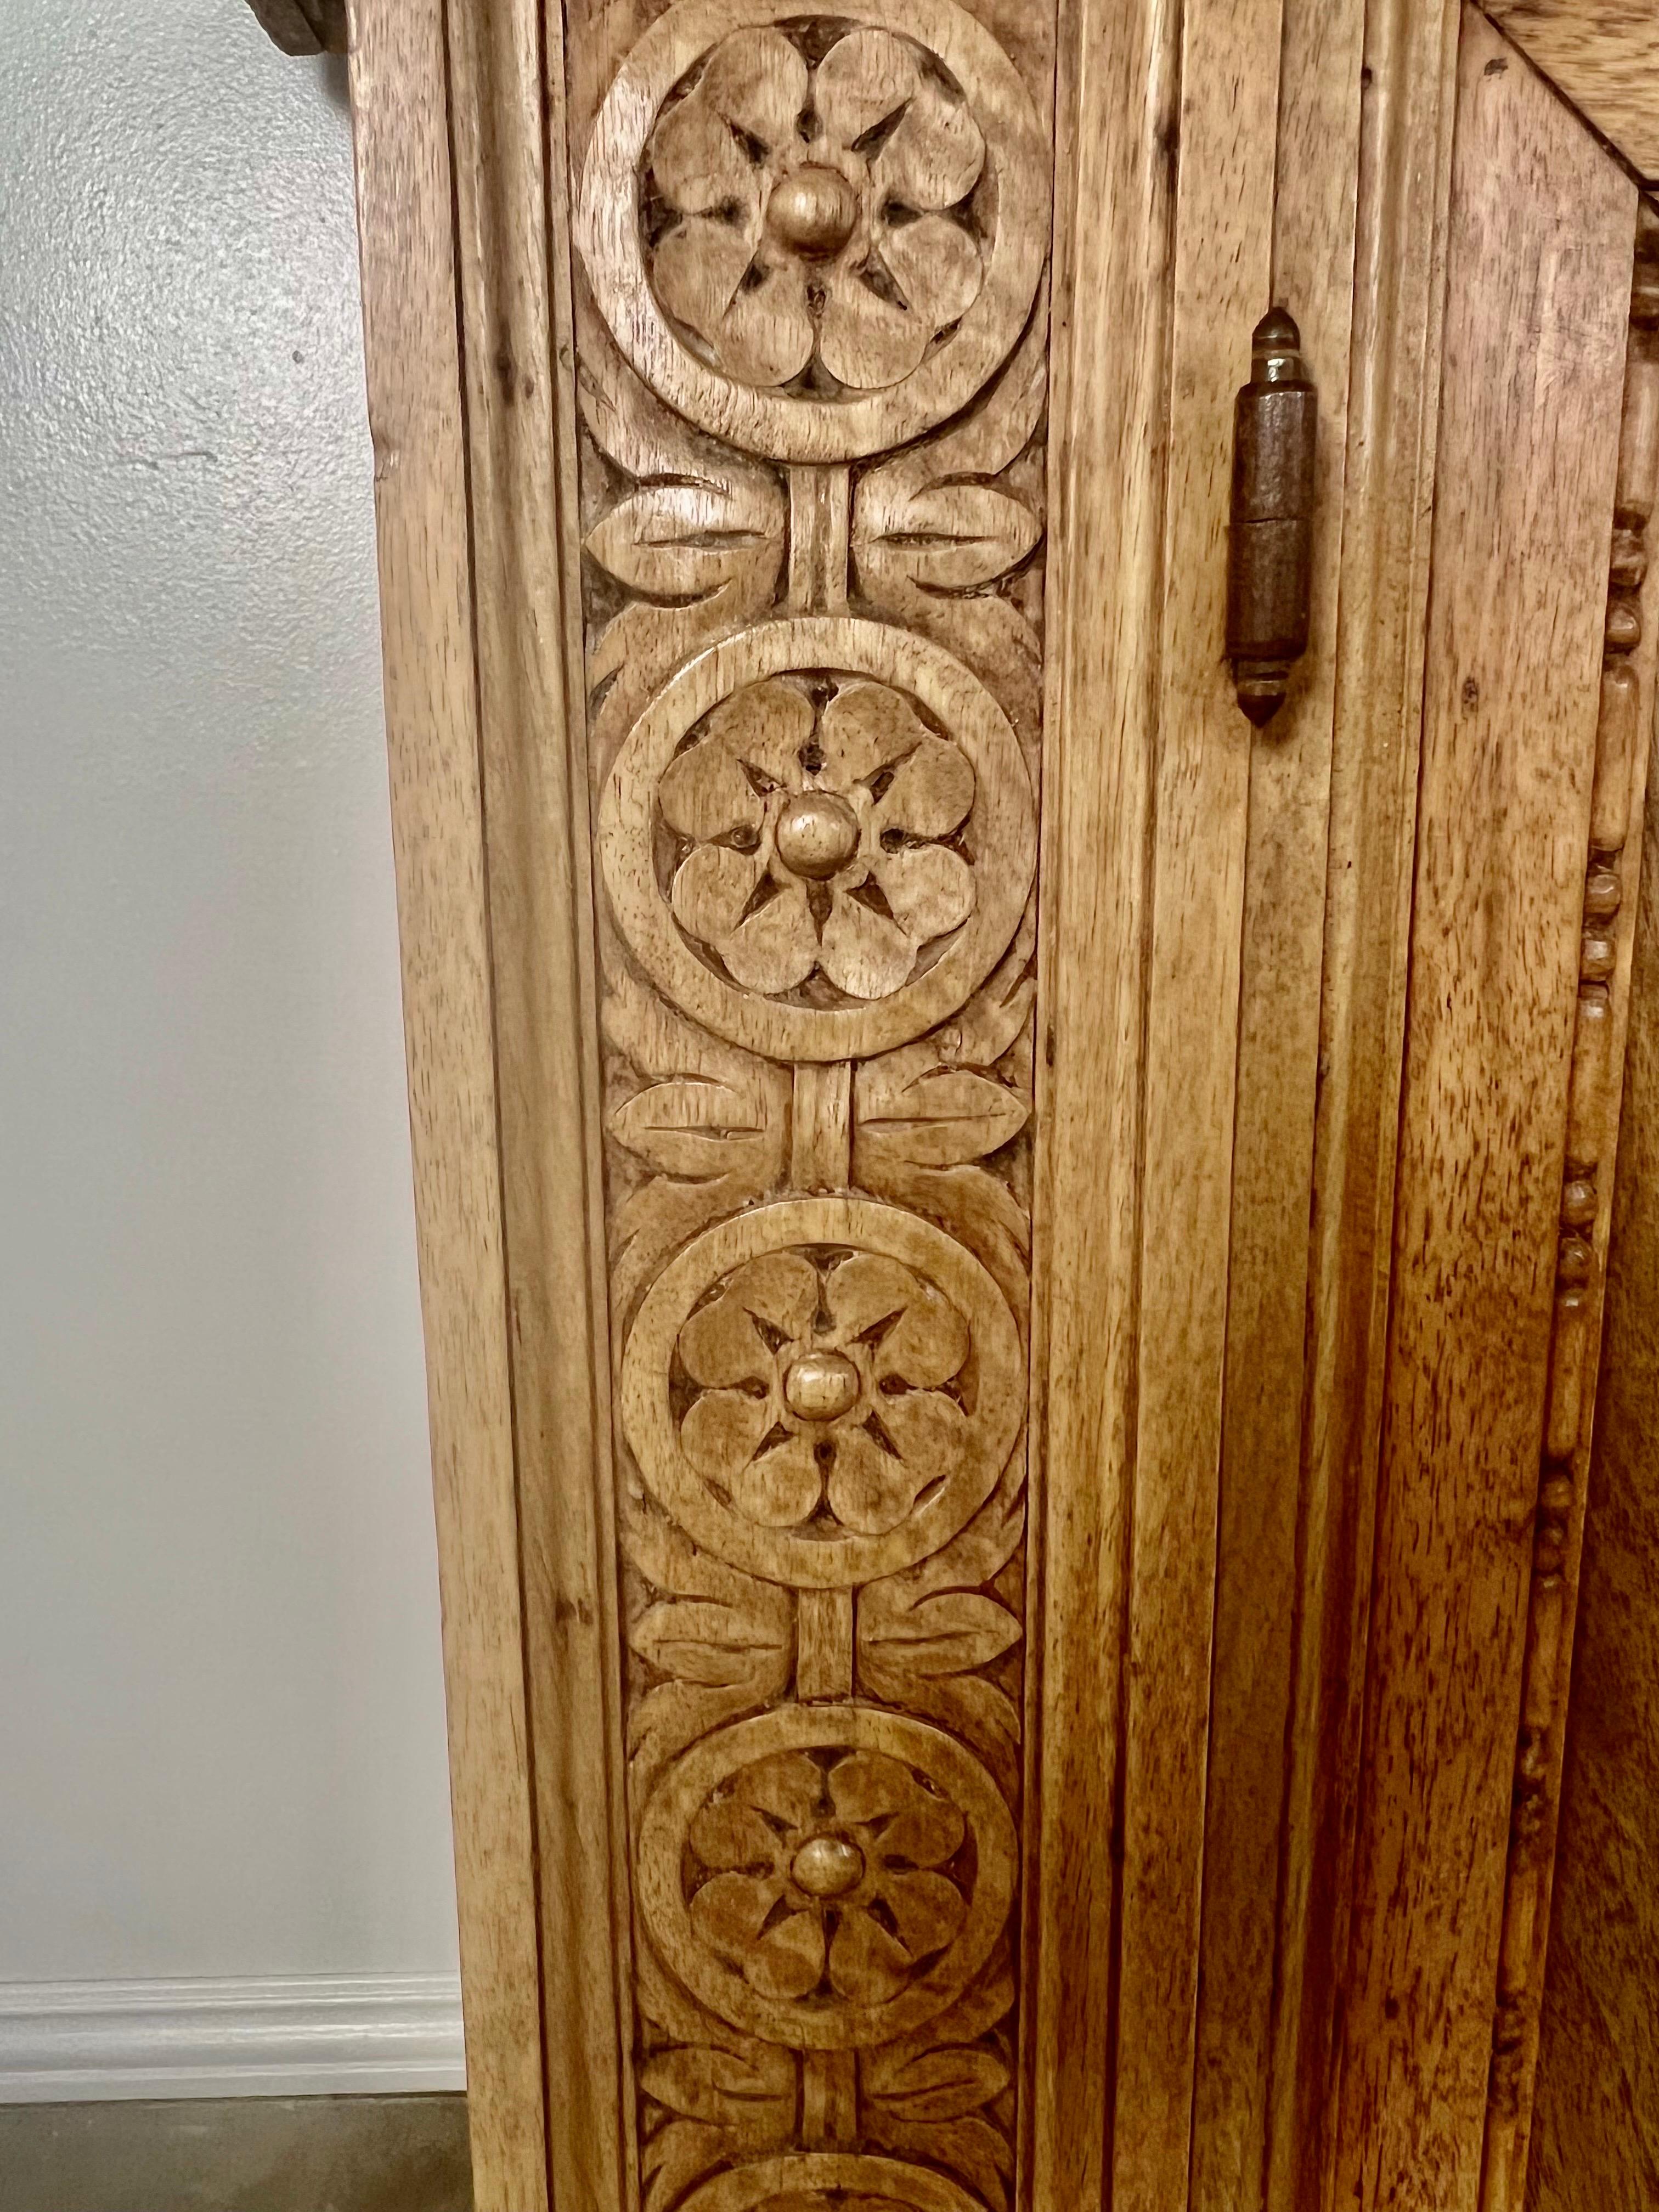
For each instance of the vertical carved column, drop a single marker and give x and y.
(812, 335)
(1624, 726)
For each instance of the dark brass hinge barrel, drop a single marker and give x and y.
(1270, 543)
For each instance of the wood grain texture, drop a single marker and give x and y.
(1243, 1961)
(1581, 1571)
(519, 418)
(1604, 55)
(1596, 2124)
(1230, 65)
(1113, 250)
(415, 415)
(1409, 86)
(1540, 238)
(813, 701)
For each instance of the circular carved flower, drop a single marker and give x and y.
(814, 837)
(828, 1389)
(808, 208)
(827, 1874)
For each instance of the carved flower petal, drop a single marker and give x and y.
(863, 953)
(766, 335)
(934, 159)
(787, 1961)
(928, 1430)
(732, 1836)
(865, 341)
(728, 1912)
(862, 79)
(712, 886)
(931, 792)
(928, 1831)
(927, 1346)
(756, 80)
(868, 1786)
(929, 888)
(777, 947)
(720, 1346)
(698, 268)
(867, 1964)
(721, 1432)
(767, 725)
(782, 1487)
(927, 1908)
(865, 1289)
(778, 1287)
(869, 1490)
(787, 1785)
(704, 793)
(697, 163)
(938, 268)
(866, 728)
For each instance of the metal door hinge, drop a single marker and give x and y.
(1269, 554)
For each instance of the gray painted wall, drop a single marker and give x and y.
(222, 1731)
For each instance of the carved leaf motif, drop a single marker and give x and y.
(724, 1639)
(711, 1122)
(921, 1634)
(942, 1116)
(944, 2085)
(729, 2105)
(947, 538)
(680, 539)
(695, 1126)
(933, 529)
(925, 2095)
(924, 1113)
(701, 533)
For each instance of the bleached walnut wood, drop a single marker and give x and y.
(1594, 2136)
(1513, 684)
(931, 1080)
(415, 404)
(802, 241)
(1612, 876)
(1604, 55)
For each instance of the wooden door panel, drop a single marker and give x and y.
(906, 1087)
(1487, 1383)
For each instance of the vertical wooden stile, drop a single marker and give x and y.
(1533, 366)
(416, 417)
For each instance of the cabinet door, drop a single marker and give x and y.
(1537, 715)
(906, 1081)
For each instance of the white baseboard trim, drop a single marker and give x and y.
(311, 2036)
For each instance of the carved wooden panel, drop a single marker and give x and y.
(812, 326)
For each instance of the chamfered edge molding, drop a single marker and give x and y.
(327, 2035)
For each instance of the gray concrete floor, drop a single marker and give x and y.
(242, 2154)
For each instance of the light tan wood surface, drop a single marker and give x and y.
(1603, 55)
(1596, 2124)
(416, 416)
(1611, 884)
(906, 1085)
(1113, 249)
(1540, 244)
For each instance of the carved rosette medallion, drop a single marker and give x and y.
(807, 241)
(823, 850)
(826, 1877)
(822, 1391)
(816, 236)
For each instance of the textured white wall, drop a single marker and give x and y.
(221, 1724)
